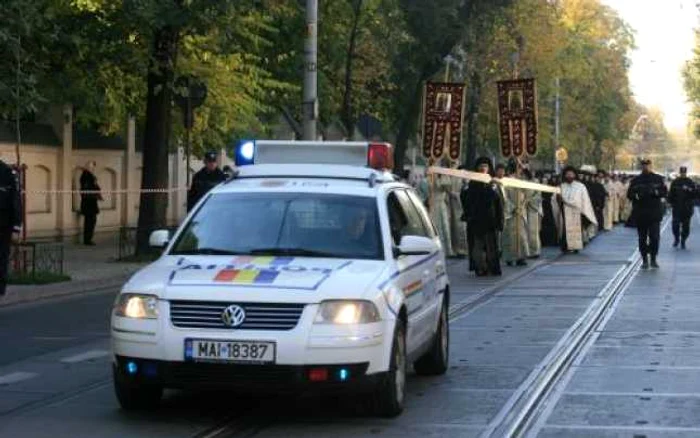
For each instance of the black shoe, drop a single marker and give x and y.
(683, 245)
(675, 243)
(645, 263)
(654, 265)
(521, 263)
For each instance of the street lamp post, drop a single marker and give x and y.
(310, 104)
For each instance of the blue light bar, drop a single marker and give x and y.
(245, 153)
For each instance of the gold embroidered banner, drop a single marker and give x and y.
(443, 109)
(517, 111)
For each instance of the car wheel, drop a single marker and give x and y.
(436, 360)
(133, 396)
(390, 394)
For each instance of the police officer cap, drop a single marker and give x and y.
(210, 156)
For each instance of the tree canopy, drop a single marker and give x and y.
(112, 59)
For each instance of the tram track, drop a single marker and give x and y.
(527, 406)
(241, 425)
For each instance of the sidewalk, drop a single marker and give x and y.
(639, 377)
(91, 268)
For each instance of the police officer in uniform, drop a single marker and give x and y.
(682, 198)
(646, 192)
(10, 219)
(204, 180)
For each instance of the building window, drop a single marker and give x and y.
(38, 181)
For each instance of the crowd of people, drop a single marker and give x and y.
(493, 224)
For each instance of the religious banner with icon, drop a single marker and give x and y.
(443, 109)
(517, 111)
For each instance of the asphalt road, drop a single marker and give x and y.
(55, 366)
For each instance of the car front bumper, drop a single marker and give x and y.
(158, 350)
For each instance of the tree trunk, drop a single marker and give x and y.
(153, 206)
(347, 114)
(472, 119)
(407, 125)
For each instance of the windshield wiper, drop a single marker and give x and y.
(300, 252)
(207, 251)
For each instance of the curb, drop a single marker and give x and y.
(32, 294)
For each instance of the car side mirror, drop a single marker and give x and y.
(159, 238)
(415, 246)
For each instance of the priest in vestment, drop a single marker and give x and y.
(569, 208)
(458, 232)
(515, 241)
(440, 211)
(609, 209)
(534, 217)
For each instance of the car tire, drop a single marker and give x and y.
(133, 396)
(390, 394)
(436, 361)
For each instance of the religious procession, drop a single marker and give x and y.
(504, 213)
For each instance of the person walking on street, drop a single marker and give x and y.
(571, 209)
(204, 180)
(483, 212)
(89, 195)
(646, 192)
(682, 198)
(10, 219)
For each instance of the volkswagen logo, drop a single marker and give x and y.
(233, 316)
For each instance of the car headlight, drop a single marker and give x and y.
(347, 312)
(136, 306)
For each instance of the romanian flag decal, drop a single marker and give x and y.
(246, 276)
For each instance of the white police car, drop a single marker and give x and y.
(297, 274)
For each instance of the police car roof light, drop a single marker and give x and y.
(245, 153)
(380, 156)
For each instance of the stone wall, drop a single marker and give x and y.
(57, 167)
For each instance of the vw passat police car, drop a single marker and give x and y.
(297, 274)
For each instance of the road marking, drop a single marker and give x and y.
(88, 355)
(8, 379)
(53, 338)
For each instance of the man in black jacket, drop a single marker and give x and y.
(646, 192)
(682, 198)
(89, 196)
(483, 211)
(10, 218)
(206, 179)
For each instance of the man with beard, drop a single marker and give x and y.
(483, 212)
(569, 207)
(682, 198)
(646, 192)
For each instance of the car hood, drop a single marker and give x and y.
(260, 279)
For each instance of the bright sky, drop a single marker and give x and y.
(665, 40)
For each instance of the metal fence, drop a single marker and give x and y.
(33, 257)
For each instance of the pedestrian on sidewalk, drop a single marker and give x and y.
(204, 180)
(89, 196)
(682, 198)
(10, 219)
(646, 192)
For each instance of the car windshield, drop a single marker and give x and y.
(292, 224)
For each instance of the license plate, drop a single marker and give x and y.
(202, 350)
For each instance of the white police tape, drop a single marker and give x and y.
(102, 192)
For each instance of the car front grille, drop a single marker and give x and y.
(259, 316)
